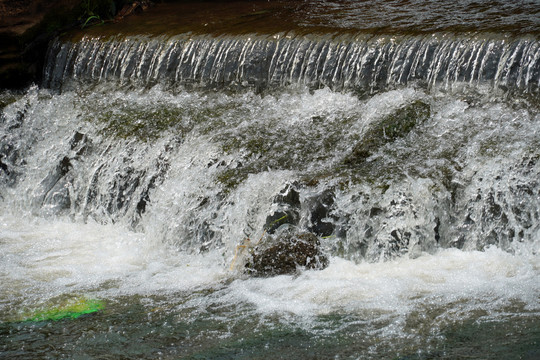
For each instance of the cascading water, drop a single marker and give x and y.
(341, 62)
(132, 175)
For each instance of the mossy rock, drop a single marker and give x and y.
(231, 178)
(144, 124)
(8, 98)
(390, 128)
(290, 253)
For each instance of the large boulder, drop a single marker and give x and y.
(290, 253)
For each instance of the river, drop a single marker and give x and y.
(405, 136)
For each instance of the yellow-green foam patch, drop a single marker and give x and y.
(70, 309)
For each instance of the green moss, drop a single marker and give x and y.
(389, 129)
(253, 141)
(106, 9)
(231, 178)
(143, 124)
(257, 142)
(7, 98)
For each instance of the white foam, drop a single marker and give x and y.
(486, 280)
(43, 259)
(47, 258)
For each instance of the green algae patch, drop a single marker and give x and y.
(390, 128)
(70, 309)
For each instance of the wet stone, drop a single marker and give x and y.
(290, 253)
(321, 219)
(288, 212)
(390, 128)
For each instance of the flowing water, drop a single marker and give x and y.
(133, 172)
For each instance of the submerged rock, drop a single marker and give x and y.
(291, 252)
(389, 129)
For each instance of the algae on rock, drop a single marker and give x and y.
(290, 252)
(390, 128)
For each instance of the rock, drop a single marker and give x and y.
(9, 158)
(132, 8)
(79, 143)
(53, 186)
(321, 222)
(53, 190)
(3, 166)
(288, 209)
(389, 129)
(290, 253)
(58, 199)
(27, 27)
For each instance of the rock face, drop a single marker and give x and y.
(23, 42)
(27, 27)
(291, 252)
(288, 209)
(390, 128)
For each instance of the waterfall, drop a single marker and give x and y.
(367, 63)
(140, 168)
(401, 173)
(331, 144)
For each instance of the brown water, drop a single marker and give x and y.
(318, 16)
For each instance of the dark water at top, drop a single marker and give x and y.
(319, 16)
(344, 45)
(425, 15)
